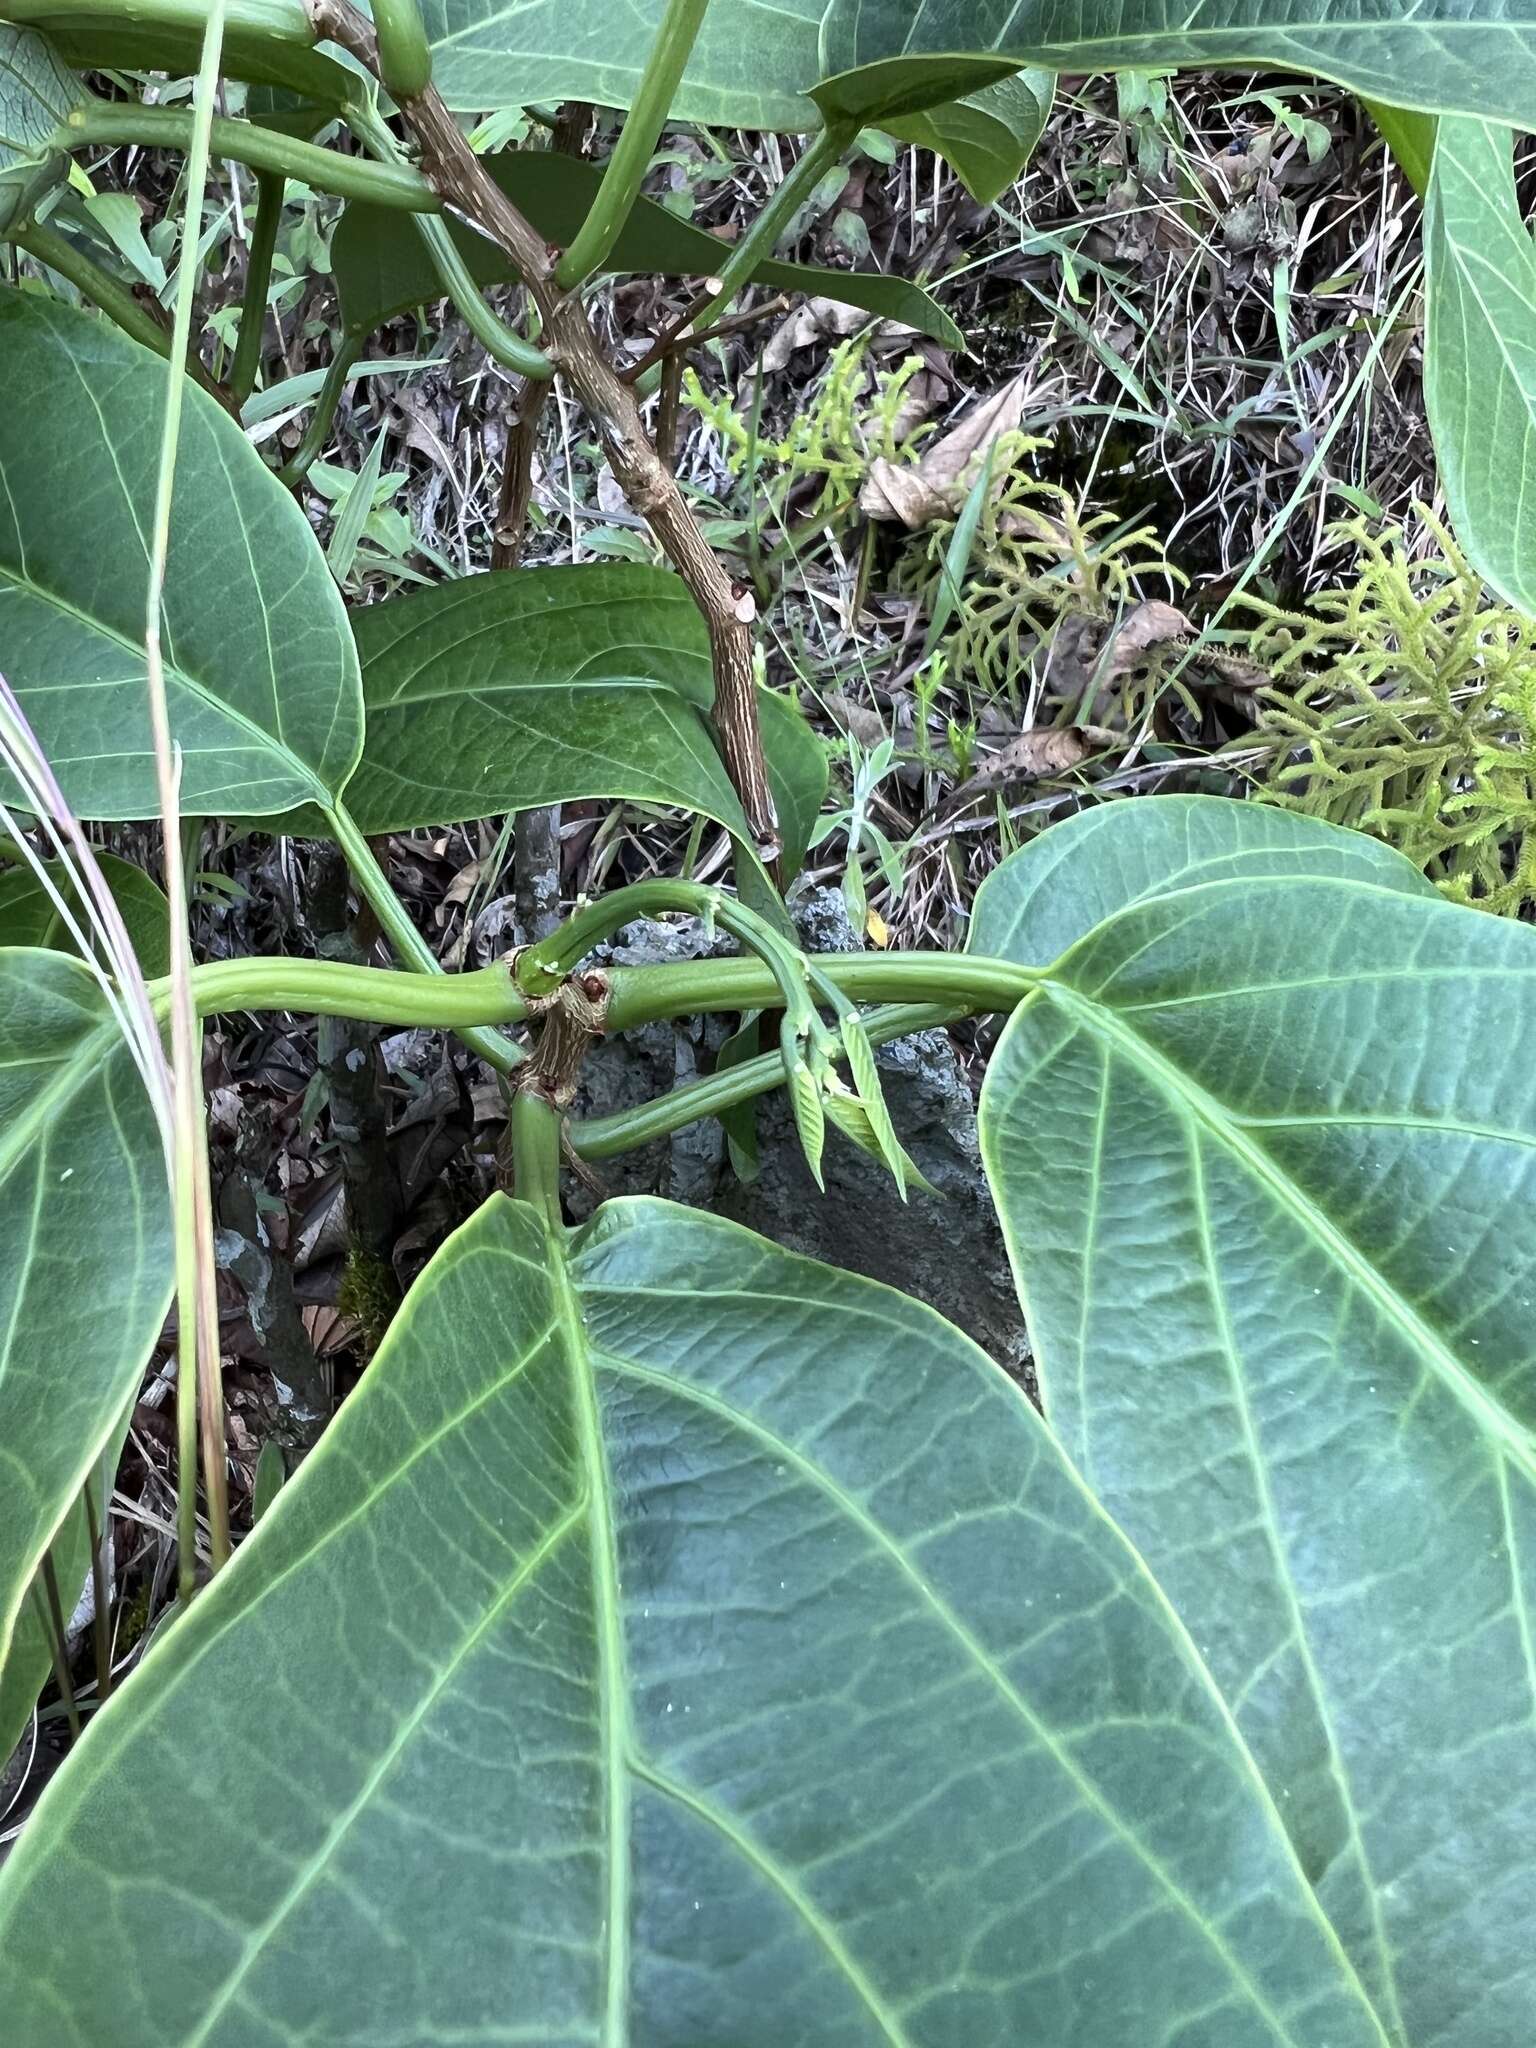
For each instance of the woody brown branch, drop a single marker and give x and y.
(461, 180)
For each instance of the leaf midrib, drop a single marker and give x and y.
(782, 1449)
(1203, 1108)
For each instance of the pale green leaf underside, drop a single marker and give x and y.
(536, 686)
(755, 60)
(30, 917)
(261, 674)
(36, 93)
(1265, 1152)
(672, 1641)
(1480, 353)
(85, 1254)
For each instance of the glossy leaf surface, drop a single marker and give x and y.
(85, 1250)
(674, 1641)
(1480, 353)
(1264, 1150)
(988, 136)
(536, 686)
(754, 63)
(261, 673)
(381, 270)
(29, 916)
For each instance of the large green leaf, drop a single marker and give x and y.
(1265, 1150)
(672, 1641)
(261, 673)
(85, 1248)
(989, 136)
(756, 60)
(536, 686)
(265, 41)
(1480, 353)
(381, 269)
(29, 916)
(36, 93)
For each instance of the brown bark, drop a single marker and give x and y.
(459, 177)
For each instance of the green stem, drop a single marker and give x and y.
(405, 56)
(632, 153)
(270, 187)
(602, 1137)
(371, 995)
(408, 943)
(541, 968)
(93, 283)
(761, 238)
(317, 433)
(641, 995)
(263, 149)
(499, 341)
(53, 1609)
(535, 1134)
(960, 982)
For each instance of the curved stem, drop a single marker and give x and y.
(541, 968)
(960, 983)
(408, 943)
(270, 187)
(263, 149)
(405, 56)
(632, 153)
(371, 995)
(499, 341)
(93, 283)
(604, 1136)
(317, 433)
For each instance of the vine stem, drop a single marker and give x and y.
(457, 175)
(409, 945)
(632, 153)
(260, 149)
(963, 982)
(270, 187)
(46, 245)
(535, 1137)
(604, 1136)
(348, 348)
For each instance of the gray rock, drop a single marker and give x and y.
(946, 1250)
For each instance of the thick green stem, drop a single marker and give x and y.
(641, 995)
(318, 432)
(959, 982)
(263, 149)
(499, 341)
(535, 1134)
(636, 145)
(371, 995)
(405, 56)
(602, 1137)
(270, 187)
(93, 283)
(541, 968)
(408, 943)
